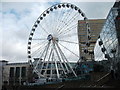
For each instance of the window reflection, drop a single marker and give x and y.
(108, 36)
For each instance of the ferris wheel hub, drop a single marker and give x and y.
(50, 37)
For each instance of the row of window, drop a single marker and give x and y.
(17, 71)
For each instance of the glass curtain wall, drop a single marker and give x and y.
(107, 43)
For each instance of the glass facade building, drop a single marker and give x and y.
(108, 43)
(109, 37)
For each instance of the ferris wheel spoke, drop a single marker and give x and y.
(52, 25)
(36, 52)
(68, 30)
(63, 21)
(39, 50)
(66, 35)
(69, 11)
(54, 20)
(66, 60)
(60, 59)
(68, 26)
(56, 24)
(40, 57)
(51, 68)
(69, 50)
(44, 29)
(69, 42)
(48, 61)
(39, 44)
(39, 39)
(48, 26)
(45, 56)
(66, 18)
(68, 22)
(73, 42)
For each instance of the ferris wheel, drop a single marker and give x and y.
(53, 41)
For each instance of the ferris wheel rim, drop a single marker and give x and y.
(48, 11)
(44, 14)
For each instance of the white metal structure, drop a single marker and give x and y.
(53, 40)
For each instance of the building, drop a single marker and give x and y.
(14, 73)
(108, 43)
(109, 36)
(95, 29)
(2, 64)
(20, 73)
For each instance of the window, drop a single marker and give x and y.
(17, 72)
(11, 71)
(23, 72)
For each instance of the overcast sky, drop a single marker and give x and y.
(17, 19)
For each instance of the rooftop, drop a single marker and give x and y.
(3, 61)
